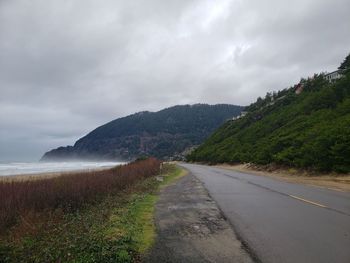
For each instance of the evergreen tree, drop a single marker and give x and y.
(345, 64)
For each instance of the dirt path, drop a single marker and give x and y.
(191, 228)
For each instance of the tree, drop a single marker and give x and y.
(345, 64)
(307, 131)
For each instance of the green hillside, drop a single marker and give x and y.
(165, 134)
(309, 130)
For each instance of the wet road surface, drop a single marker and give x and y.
(281, 221)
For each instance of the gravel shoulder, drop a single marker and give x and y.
(191, 228)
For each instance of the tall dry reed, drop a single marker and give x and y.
(68, 191)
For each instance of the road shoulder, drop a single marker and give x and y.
(191, 228)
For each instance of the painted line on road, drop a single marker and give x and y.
(307, 201)
(285, 194)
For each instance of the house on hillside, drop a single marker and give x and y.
(299, 88)
(243, 113)
(333, 76)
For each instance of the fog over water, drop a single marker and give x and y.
(16, 168)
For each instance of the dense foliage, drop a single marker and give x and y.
(162, 134)
(310, 130)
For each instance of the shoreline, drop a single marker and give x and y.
(46, 175)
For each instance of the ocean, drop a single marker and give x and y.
(23, 168)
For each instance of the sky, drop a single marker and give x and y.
(67, 67)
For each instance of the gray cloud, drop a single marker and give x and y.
(68, 66)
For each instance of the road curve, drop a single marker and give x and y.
(281, 221)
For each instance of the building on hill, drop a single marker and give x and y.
(243, 113)
(299, 88)
(333, 76)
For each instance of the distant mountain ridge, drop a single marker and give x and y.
(163, 134)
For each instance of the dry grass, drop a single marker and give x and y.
(118, 227)
(67, 192)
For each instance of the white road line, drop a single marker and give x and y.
(307, 201)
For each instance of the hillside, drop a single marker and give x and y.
(163, 134)
(307, 130)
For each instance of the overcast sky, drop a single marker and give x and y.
(68, 66)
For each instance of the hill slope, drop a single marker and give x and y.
(309, 130)
(162, 134)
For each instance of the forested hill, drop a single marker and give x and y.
(163, 134)
(309, 130)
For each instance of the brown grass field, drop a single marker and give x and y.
(68, 191)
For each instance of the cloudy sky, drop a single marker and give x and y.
(68, 66)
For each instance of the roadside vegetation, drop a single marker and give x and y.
(113, 223)
(67, 192)
(307, 131)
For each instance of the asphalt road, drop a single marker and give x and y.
(281, 221)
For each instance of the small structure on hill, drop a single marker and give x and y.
(243, 113)
(299, 88)
(333, 76)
